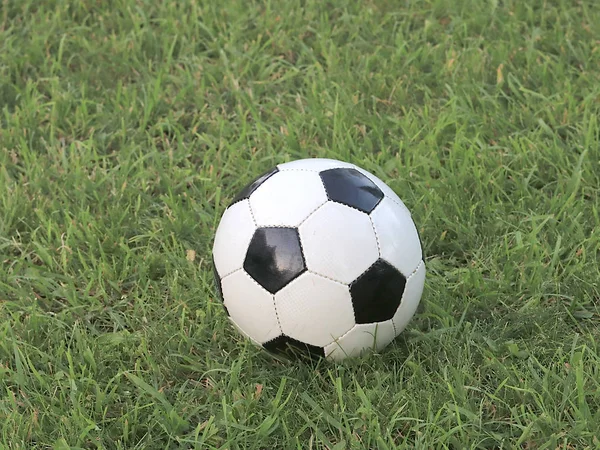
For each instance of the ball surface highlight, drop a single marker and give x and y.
(320, 256)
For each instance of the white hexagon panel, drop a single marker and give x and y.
(360, 339)
(398, 237)
(232, 238)
(314, 310)
(338, 242)
(255, 315)
(286, 199)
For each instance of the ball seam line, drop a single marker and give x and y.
(364, 272)
(276, 313)
(231, 273)
(355, 208)
(272, 298)
(327, 278)
(393, 324)
(300, 170)
(312, 212)
(421, 263)
(284, 169)
(401, 205)
(340, 337)
(252, 214)
(376, 236)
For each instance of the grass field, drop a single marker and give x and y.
(127, 126)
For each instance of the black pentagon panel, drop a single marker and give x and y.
(218, 285)
(377, 293)
(253, 186)
(287, 346)
(274, 257)
(352, 188)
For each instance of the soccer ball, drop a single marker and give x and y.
(319, 255)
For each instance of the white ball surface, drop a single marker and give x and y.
(319, 255)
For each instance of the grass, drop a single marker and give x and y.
(126, 126)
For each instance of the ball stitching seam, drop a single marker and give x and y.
(272, 298)
(376, 236)
(231, 273)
